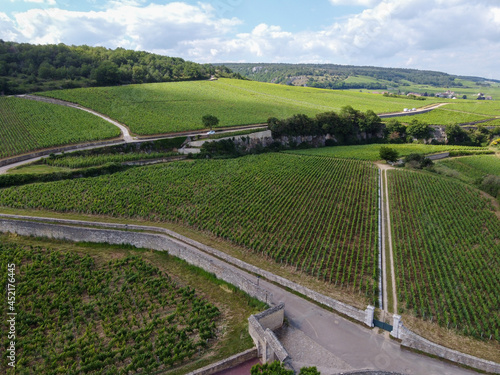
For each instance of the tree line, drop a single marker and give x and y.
(346, 126)
(27, 68)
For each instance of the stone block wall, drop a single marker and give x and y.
(227, 363)
(143, 240)
(412, 340)
(269, 348)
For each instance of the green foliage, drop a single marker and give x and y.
(491, 185)
(446, 242)
(418, 129)
(29, 125)
(417, 161)
(298, 214)
(372, 151)
(29, 178)
(274, 368)
(76, 316)
(346, 125)
(335, 76)
(389, 154)
(209, 121)
(309, 371)
(395, 131)
(29, 68)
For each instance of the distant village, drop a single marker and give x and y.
(445, 95)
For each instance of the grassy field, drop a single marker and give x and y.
(28, 125)
(371, 151)
(297, 214)
(447, 247)
(174, 107)
(460, 111)
(119, 309)
(470, 168)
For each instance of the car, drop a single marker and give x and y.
(210, 132)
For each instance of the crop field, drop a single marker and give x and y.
(470, 168)
(28, 125)
(314, 213)
(447, 251)
(458, 112)
(446, 116)
(82, 161)
(179, 106)
(371, 152)
(75, 315)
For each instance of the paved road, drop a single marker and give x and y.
(355, 346)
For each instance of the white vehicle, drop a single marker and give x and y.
(211, 132)
(405, 110)
(413, 109)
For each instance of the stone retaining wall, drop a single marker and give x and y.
(411, 340)
(153, 241)
(414, 341)
(227, 363)
(362, 316)
(186, 249)
(260, 327)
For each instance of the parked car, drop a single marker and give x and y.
(211, 132)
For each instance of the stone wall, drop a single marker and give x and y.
(260, 327)
(227, 363)
(411, 340)
(362, 316)
(142, 240)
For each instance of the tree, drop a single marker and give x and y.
(275, 368)
(388, 154)
(418, 130)
(309, 371)
(209, 121)
(456, 135)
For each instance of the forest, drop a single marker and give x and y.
(28, 68)
(333, 76)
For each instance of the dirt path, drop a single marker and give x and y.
(387, 253)
(387, 225)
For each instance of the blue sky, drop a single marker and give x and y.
(454, 36)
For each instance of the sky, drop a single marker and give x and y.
(454, 36)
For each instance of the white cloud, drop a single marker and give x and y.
(45, 2)
(456, 36)
(148, 27)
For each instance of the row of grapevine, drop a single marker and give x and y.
(179, 106)
(71, 161)
(75, 317)
(28, 125)
(447, 251)
(314, 213)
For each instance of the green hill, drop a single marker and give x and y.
(173, 107)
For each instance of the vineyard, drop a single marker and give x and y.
(316, 214)
(179, 106)
(447, 251)
(75, 316)
(82, 161)
(28, 125)
(372, 151)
